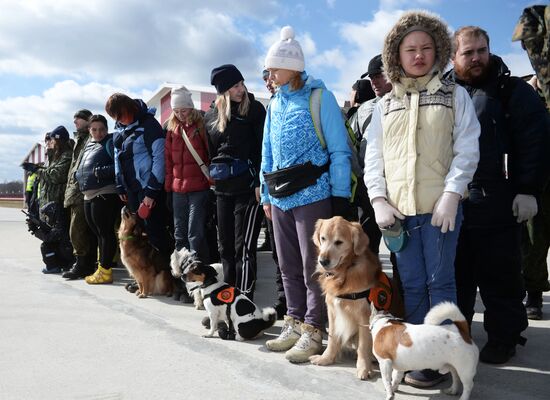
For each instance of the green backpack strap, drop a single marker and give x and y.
(315, 111)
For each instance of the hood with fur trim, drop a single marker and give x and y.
(430, 23)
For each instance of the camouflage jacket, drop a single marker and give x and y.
(73, 195)
(53, 179)
(533, 31)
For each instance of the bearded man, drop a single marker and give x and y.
(512, 170)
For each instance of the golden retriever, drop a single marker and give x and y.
(143, 262)
(346, 268)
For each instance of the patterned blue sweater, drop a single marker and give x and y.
(290, 139)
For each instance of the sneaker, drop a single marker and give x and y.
(425, 378)
(533, 305)
(310, 343)
(100, 276)
(53, 270)
(290, 333)
(132, 287)
(496, 353)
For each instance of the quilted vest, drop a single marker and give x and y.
(417, 121)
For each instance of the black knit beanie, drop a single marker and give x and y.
(224, 77)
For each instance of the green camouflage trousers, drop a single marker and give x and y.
(82, 238)
(535, 244)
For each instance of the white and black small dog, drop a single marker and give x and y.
(244, 319)
(399, 347)
(179, 260)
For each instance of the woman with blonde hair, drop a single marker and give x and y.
(185, 181)
(235, 127)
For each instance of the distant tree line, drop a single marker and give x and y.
(12, 189)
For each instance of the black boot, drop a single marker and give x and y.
(81, 269)
(533, 305)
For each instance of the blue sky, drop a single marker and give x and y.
(57, 56)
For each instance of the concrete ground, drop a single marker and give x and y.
(69, 340)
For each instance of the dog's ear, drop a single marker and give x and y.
(359, 238)
(317, 233)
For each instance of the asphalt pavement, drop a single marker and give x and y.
(70, 340)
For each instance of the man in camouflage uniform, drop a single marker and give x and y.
(532, 30)
(83, 239)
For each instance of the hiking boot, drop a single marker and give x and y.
(80, 270)
(533, 305)
(496, 352)
(290, 333)
(310, 343)
(425, 378)
(221, 324)
(101, 276)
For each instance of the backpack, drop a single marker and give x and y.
(353, 142)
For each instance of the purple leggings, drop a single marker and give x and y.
(293, 231)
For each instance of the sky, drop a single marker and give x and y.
(58, 56)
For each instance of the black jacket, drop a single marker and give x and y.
(241, 139)
(514, 122)
(97, 166)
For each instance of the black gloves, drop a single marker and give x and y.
(30, 167)
(342, 207)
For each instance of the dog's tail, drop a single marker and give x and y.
(269, 316)
(442, 312)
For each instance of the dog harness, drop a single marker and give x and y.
(225, 295)
(380, 295)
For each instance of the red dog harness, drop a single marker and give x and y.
(380, 295)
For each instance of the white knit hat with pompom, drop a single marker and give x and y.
(286, 53)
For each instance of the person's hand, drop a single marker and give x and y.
(267, 210)
(257, 193)
(341, 207)
(524, 207)
(444, 213)
(123, 198)
(149, 202)
(384, 213)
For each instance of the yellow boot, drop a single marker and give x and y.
(100, 276)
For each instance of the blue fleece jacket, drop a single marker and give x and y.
(290, 139)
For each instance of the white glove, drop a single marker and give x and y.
(384, 213)
(524, 207)
(444, 213)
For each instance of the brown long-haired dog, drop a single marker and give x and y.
(143, 261)
(346, 268)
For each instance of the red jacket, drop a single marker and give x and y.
(183, 174)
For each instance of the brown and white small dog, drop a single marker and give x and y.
(143, 262)
(179, 261)
(347, 271)
(399, 347)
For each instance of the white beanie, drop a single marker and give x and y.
(180, 97)
(286, 53)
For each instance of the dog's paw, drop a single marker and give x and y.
(320, 360)
(142, 295)
(208, 335)
(390, 396)
(199, 307)
(364, 373)
(451, 391)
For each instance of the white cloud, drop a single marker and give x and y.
(25, 120)
(128, 43)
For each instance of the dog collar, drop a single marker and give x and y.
(129, 237)
(355, 296)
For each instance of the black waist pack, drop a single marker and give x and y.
(287, 181)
